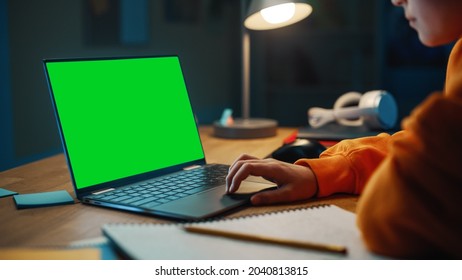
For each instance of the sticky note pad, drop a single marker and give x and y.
(42, 199)
(4, 192)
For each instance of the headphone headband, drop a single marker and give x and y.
(376, 109)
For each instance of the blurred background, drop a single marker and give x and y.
(355, 45)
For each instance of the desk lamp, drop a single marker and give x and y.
(261, 15)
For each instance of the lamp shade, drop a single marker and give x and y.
(272, 14)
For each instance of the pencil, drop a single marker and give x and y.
(267, 239)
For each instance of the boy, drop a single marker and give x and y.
(410, 182)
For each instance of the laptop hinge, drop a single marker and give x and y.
(103, 191)
(192, 167)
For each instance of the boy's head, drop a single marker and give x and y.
(438, 22)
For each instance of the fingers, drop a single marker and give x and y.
(245, 166)
(235, 167)
(239, 160)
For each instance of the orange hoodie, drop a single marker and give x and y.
(411, 181)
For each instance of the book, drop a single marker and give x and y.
(324, 224)
(49, 254)
(336, 132)
(100, 243)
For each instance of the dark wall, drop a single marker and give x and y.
(408, 69)
(355, 45)
(204, 33)
(350, 45)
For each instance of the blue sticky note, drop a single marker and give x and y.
(4, 192)
(43, 199)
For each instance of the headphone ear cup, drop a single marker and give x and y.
(385, 108)
(349, 99)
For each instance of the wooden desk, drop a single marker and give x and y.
(60, 225)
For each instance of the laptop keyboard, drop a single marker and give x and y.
(152, 193)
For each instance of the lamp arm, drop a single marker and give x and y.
(245, 74)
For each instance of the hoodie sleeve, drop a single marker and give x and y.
(347, 166)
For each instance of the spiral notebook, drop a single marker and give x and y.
(327, 224)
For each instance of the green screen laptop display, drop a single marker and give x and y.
(123, 117)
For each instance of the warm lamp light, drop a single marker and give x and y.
(272, 14)
(261, 15)
(278, 14)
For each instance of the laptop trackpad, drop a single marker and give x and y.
(253, 185)
(202, 205)
(207, 204)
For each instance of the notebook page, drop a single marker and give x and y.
(328, 224)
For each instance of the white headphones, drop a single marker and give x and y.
(376, 109)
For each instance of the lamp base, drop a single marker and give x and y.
(246, 128)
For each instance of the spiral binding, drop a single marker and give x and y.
(221, 220)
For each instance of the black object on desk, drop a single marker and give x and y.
(300, 148)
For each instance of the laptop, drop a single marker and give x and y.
(131, 140)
